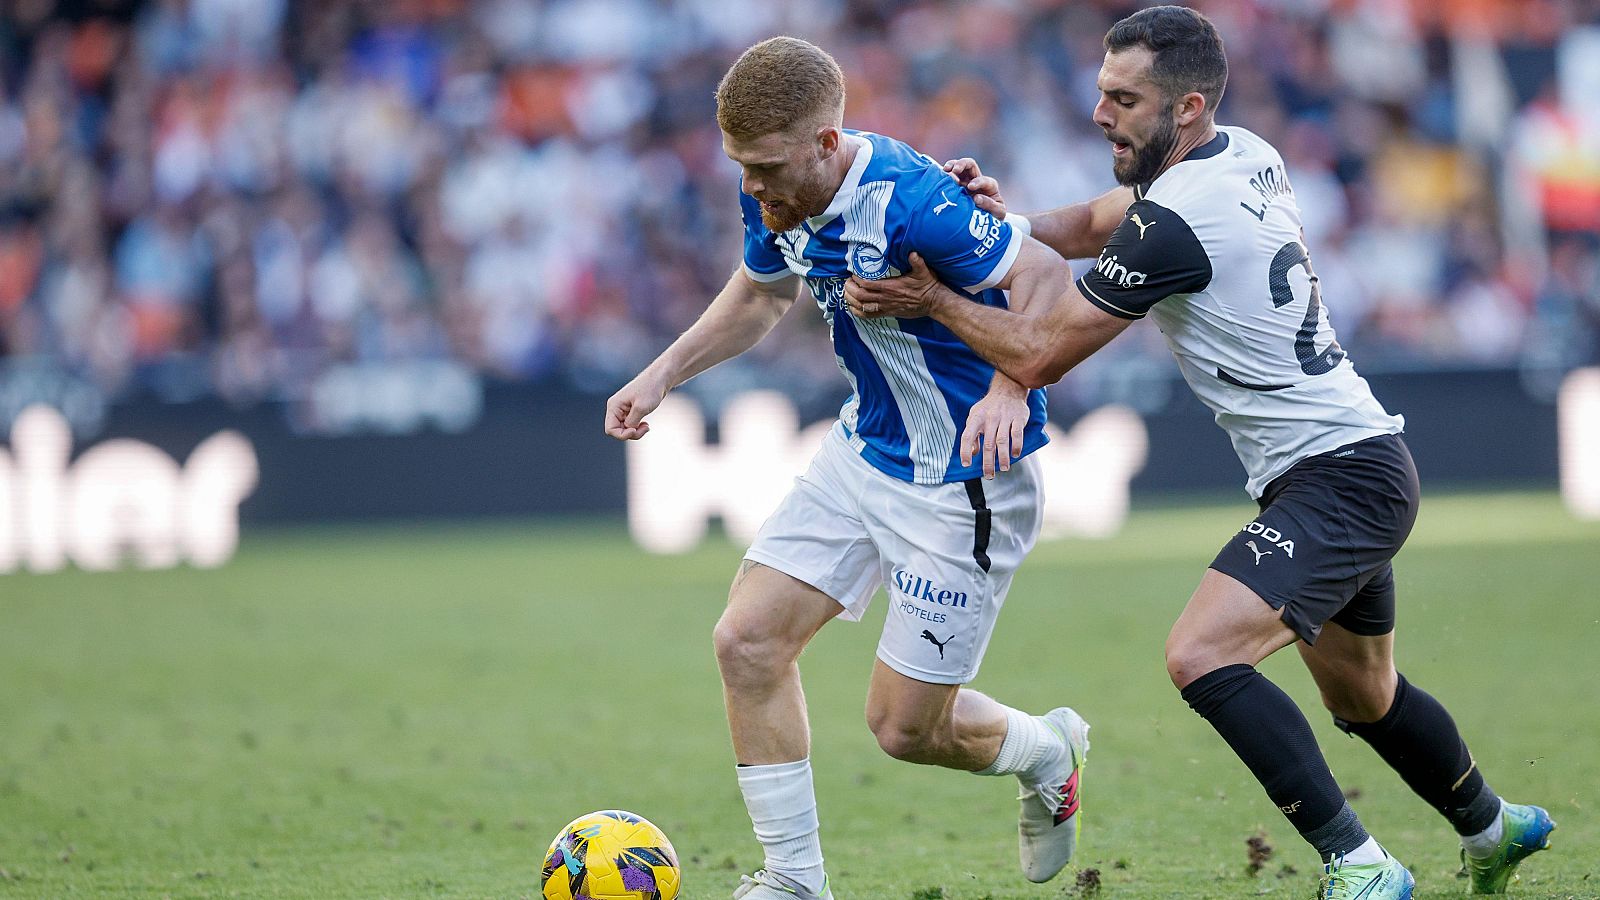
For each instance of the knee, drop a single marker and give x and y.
(747, 652)
(1359, 700)
(903, 737)
(905, 741)
(1188, 659)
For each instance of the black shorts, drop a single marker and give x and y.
(1320, 549)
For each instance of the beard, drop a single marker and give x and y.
(1143, 163)
(810, 199)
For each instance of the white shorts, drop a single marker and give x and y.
(946, 553)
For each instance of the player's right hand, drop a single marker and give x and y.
(626, 409)
(985, 190)
(996, 425)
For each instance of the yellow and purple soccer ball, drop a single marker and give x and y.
(610, 855)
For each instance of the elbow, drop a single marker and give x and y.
(1041, 369)
(1034, 375)
(1034, 378)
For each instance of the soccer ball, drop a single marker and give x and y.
(610, 855)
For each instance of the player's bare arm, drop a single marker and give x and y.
(742, 313)
(1049, 329)
(1076, 231)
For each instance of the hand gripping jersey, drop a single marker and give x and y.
(912, 380)
(1213, 251)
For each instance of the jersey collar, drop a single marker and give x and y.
(847, 189)
(1209, 148)
(1205, 151)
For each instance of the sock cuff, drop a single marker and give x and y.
(1014, 747)
(1339, 835)
(758, 775)
(1480, 812)
(780, 799)
(1208, 692)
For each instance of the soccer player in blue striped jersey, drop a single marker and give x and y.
(925, 486)
(912, 379)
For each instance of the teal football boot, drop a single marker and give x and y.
(1387, 880)
(1527, 831)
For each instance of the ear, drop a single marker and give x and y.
(828, 141)
(1189, 108)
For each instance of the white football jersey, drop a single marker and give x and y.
(1213, 251)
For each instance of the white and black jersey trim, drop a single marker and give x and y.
(1152, 255)
(1107, 305)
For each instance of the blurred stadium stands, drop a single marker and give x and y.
(472, 219)
(236, 197)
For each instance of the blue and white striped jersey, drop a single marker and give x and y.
(913, 381)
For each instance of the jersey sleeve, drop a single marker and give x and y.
(962, 244)
(763, 261)
(1152, 255)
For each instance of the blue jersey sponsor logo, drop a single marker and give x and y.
(985, 229)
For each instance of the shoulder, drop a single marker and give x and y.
(892, 157)
(1153, 254)
(1220, 195)
(915, 175)
(923, 196)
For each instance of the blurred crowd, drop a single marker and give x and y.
(235, 197)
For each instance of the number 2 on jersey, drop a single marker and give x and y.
(1305, 350)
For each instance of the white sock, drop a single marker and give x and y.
(1030, 750)
(1484, 844)
(783, 808)
(1366, 854)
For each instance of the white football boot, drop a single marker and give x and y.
(764, 885)
(1047, 831)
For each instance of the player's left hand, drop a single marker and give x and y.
(905, 296)
(985, 190)
(995, 427)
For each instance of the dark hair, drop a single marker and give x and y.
(1188, 51)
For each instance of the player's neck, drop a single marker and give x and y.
(1186, 145)
(838, 170)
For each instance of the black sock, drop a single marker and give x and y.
(1418, 739)
(1270, 734)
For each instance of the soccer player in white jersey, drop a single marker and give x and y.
(895, 496)
(1204, 236)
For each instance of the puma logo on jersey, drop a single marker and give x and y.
(943, 206)
(928, 636)
(1141, 223)
(1258, 552)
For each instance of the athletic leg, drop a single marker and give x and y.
(949, 554)
(933, 724)
(1223, 632)
(959, 728)
(812, 561)
(769, 619)
(1417, 737)
(1409, 729)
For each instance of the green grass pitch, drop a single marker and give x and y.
(415, 712)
